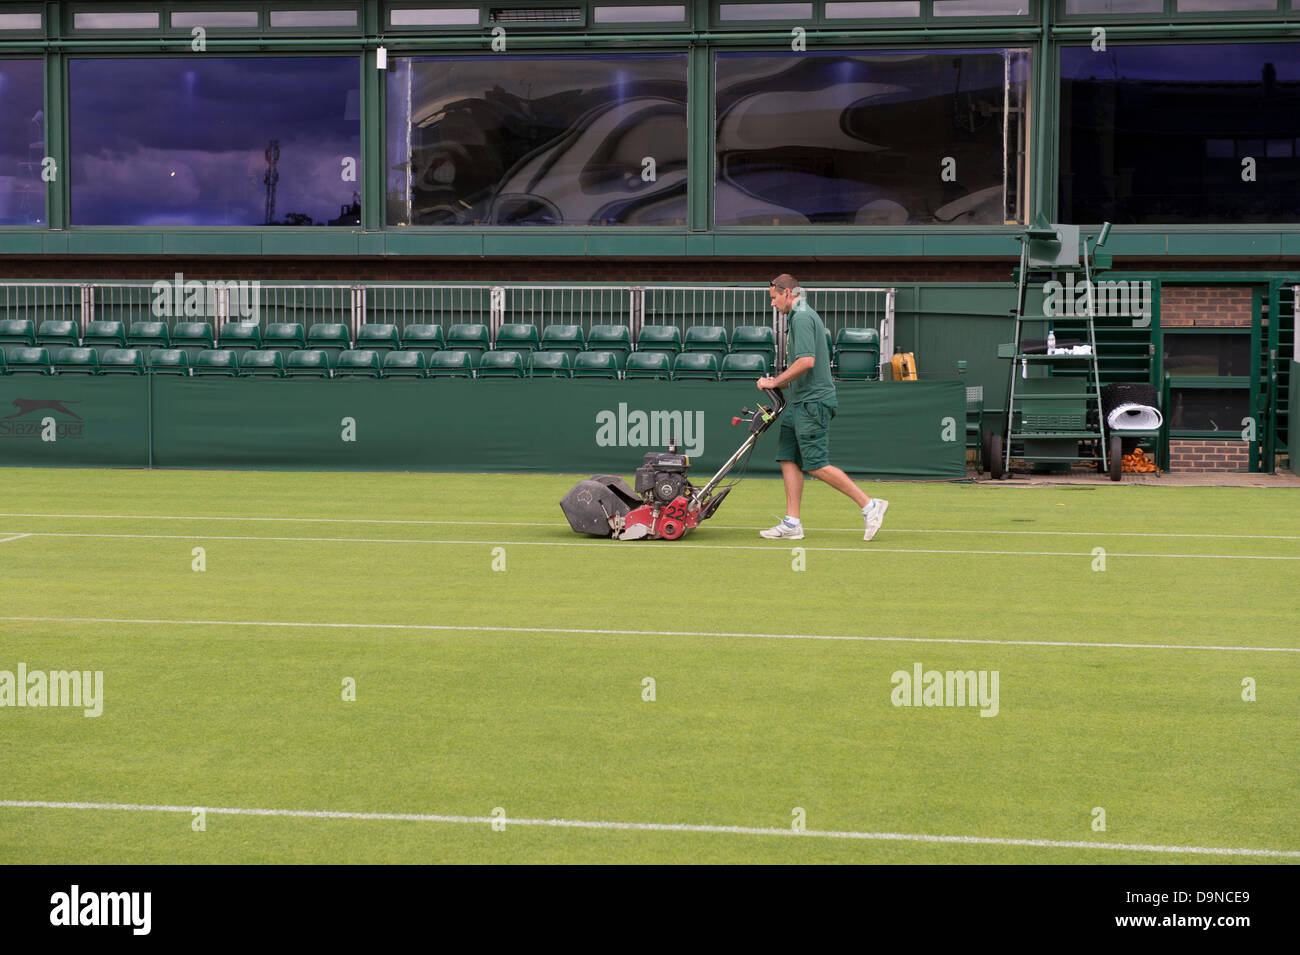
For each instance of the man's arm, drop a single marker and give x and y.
(801, 366)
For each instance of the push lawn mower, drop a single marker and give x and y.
(664, 504)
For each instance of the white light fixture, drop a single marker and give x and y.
(381, 58)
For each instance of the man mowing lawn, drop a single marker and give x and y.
(805, 427)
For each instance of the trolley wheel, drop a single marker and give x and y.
(996, 470)
(1116, 457)
(984, 449)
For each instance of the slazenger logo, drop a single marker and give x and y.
(23, 423)
(650, 429)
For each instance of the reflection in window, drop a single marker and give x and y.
(1209, 409)
(1114, 6)
(1161, 134)
(22, 142)
(211, 141)
(870, 138)
(544, 140)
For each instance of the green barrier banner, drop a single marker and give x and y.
(902, 429)
(74, 421)
(895, 429)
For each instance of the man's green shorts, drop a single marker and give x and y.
(805, 434)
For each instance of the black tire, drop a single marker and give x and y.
(996, 469)
(984, 450)
(1116, 457)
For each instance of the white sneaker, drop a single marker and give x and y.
(874, 517)
(783, 531)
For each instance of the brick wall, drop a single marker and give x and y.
(1204, 307)
(1198, 454)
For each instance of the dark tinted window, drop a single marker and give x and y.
(555, 140)
(22, 142)
(869, 138)
(159, 142)
(1209, 409)
(1200, 354)
(1162, 133)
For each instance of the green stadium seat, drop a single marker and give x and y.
(453, 363)
(359, 363)
(751, 365)
(121, 361)
(56, 333)
(615, 338)
(404, 364)
(857, 354)
(695, 365)
(565, 338)
(261, 364)
(76, 361)
(307, 363)
(104, 334)
(425, 339)
(503, 364)
(517, 337)
(241, 336)
(975, 423)
(146, 335)
(330, 337)
(706, 339)
(469, 337)
(378, 338)
(754, 339)
(192, 336)
(665, 339)
(216, 362)
(648, 364)
(551, 364)
(287, 337)
(169, 361)
(595, 364)
(16, 333)
(27, 360)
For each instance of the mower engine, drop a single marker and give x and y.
(663, 504)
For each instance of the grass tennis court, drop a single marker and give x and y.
(522, 688)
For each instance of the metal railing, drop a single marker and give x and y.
(220, 301)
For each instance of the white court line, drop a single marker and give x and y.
(5, 540)
(728, 527)
(657, 827)
(648, 633)
(675, 545)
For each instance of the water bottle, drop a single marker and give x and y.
(1051, 342)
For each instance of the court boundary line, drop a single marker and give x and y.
(560, 524)
(592, 631)
(676, 545)
(5, 540)
(698, 828)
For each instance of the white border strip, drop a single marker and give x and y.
(5, 540)
(731, 527)
(672, 545)
(657, 827)
(645, 633)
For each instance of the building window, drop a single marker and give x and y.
(213, 141)
(1180, 133)
(871, 138)
(22, 142)
(537, 140)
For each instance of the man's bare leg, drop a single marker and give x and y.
(792, 476)
(835, 478)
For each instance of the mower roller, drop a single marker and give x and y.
(664, 504)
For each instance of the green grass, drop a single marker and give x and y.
(521, 710)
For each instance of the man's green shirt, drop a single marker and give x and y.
(808, 337)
